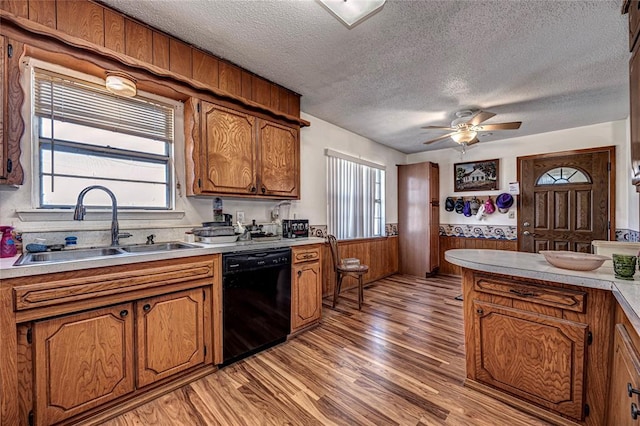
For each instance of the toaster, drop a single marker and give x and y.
(295, 228)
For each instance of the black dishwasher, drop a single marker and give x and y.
(256, 301)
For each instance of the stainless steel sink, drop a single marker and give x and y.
(96, 253)
(148, 248)
(65, 256)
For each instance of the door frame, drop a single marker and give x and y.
(611, 150)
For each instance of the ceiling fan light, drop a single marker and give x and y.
(464, 136)
(120, 84)
(352, 12)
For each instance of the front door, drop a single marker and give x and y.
(565, 200)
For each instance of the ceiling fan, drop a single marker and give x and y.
(464, 129)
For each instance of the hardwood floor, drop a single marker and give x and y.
(399, 361)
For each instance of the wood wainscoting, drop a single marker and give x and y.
(380, 254)
(448, 243)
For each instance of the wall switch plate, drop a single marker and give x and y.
(240, 216)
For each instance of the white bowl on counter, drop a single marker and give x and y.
(573, 260)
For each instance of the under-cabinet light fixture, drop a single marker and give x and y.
(120, 84)
(352, 12)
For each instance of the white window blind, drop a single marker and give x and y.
(355, 196)
(87, 136)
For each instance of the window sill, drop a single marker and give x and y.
(42, 215)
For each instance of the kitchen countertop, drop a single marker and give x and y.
(534, 266)
(7, 270)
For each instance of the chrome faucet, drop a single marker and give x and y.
(80, 211)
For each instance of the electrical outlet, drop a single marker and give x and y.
(512, 214)
(240, 216)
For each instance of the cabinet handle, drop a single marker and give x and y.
(253, 189)
(146, 307)
(522, 293)
(124, 313)
(264, 189)
(631, 390)
(299, 273)
(634, 411)
(479, 311)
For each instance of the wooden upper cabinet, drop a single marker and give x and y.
(170, 334)
(227, 151)
(82, 19)
(634, 23)
(82, 361)
(233, 152)
(138, 41)
(634, 114)
(279, 168)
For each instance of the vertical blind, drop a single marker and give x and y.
(351, 197)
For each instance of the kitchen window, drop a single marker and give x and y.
(85, 135)
(355, 195)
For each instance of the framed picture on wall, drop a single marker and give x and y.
(476, 175)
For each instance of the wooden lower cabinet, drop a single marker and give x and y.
(306, 287)
(82, 361)
(537, 357)
(170, 335)
(541, 346)
(625, 381)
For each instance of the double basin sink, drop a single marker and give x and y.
(93, 253)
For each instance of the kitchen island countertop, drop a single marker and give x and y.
(534, 266)
(8, 270)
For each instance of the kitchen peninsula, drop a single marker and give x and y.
(560, 344)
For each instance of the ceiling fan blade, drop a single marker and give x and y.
(439, 138)
(500, 126)
(480, 117)
(437, 127)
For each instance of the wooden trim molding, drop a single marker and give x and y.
(36, 32)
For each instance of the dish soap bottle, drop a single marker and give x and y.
(7, 245)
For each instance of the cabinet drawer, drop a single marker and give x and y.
(60, 288)
(556, 297)
(306, 254)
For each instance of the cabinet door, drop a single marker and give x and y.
(82, 361)
(279, 167)
(625, 372)
(537, 357)
(228, 151)
(306, 295)
(4, 78)
(634, 114)
(170, 334)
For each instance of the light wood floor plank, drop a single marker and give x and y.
(398, 361)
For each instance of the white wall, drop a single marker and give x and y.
(604, 134)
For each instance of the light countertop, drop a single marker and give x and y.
(8, 270)
(534, 266)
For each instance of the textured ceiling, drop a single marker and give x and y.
(550, 64)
